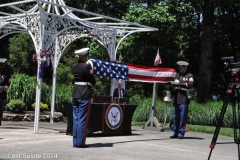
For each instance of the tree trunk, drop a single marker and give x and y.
(205, 64)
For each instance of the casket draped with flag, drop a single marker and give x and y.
(130, 72)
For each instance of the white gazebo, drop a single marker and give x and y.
(53, 26)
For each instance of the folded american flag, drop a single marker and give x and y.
(130, 72)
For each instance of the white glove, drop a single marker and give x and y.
(176, 81)
(90, 62)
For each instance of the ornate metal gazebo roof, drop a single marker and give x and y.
(53, 26)
(49, 19)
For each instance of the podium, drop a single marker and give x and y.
(108, 118)
(119, 100)
(111, 118)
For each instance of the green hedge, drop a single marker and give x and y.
(23, 88)
(43, 106)
(198, 114)
(16, 106)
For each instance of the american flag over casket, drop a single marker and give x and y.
(130, 72)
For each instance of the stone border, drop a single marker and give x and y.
(29, 116)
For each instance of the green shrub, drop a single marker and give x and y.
(22, 87)
(16, 106)
(63, 93)
(198, 114)
(135, 99)
(43, 106)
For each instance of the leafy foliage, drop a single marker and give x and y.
(21, 49)
(113, 8)
(63, 93)
(22, 87)
(180, 24)
(143, 110)
(102, 86)
(43, 106)
(16, 106)
(198, 114)
(64, 75)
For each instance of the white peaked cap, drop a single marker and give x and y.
(3, 60)
(119, 81)
(182, 63)
(82, 52)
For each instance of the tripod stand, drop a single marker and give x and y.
(232, 94)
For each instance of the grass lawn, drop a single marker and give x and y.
(210, 129)
(198, 128)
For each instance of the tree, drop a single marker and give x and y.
(113, 8)
(214, 13)
(206, 38)
(198, 31)
(207, 16)
(21, 49)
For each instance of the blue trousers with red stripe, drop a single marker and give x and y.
(81, 111)
(179, 117)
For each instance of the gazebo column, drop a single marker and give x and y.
(38, 98)
(54, 81)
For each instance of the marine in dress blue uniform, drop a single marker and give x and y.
(181, 99)
(4, 84)
(82, 93)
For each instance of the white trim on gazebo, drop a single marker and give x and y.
(53, 26)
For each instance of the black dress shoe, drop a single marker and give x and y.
(70, 134)
(84, 146)
(173, 136)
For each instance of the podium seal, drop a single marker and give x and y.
(114, 116)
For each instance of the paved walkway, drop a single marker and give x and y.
(18, 141)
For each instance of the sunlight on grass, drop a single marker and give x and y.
(198, 128)
(210, 129)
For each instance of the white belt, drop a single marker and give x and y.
(183, 89)
(83, 83)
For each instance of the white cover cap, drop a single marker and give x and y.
(182, 63)
(82, 52)
(3, 60)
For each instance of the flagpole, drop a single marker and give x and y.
(152, 123)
